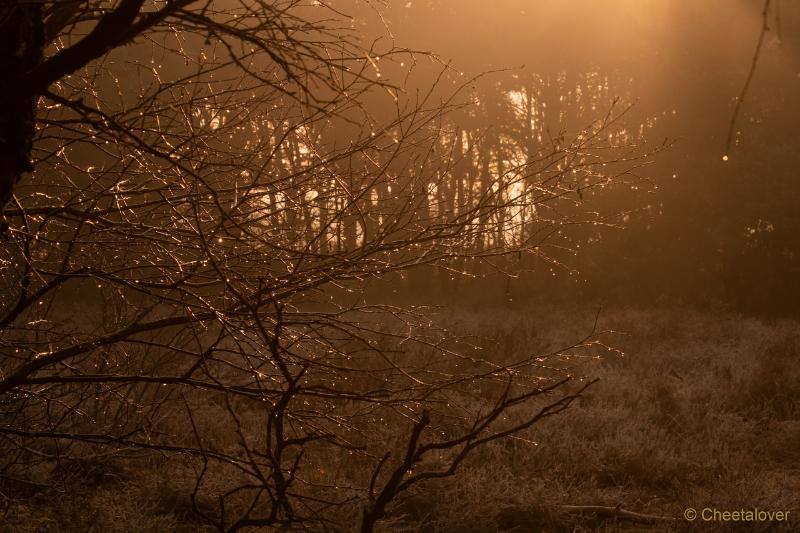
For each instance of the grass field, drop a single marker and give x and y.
(697, 410)
(692, 409)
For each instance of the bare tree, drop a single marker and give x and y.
(181, 273)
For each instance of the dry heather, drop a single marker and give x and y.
(696, 409)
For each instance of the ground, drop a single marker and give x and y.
(692, 408)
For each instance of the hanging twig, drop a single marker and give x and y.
(750, 74)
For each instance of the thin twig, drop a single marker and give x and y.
(616, 512)
(750, 74)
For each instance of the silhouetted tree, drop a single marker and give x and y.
(212, 182)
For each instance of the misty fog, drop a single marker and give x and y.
(416, 266)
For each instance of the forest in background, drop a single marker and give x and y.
(701, 230)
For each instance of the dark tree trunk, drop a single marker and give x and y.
(21, 44)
